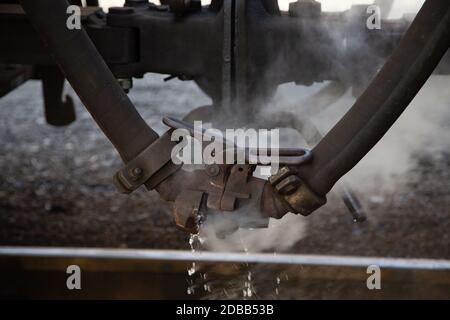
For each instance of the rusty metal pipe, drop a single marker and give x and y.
(90, 77)
(398, 82)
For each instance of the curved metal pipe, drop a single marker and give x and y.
(398, 82)
(96, 86)
(90, 77)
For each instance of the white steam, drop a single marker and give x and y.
(424, 128)
(280, 236)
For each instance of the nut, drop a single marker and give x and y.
(212, 170)
(136, 173)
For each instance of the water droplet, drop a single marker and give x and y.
(207, 287)
(192, 269)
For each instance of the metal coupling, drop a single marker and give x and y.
(225, 192)
(295, 195)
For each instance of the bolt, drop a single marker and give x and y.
(136, 173)
(125, 83)
(213, 170)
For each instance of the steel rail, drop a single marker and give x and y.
(224, 257)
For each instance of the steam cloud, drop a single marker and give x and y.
(424, 128)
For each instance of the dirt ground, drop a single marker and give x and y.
(56, 190)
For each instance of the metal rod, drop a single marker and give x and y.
(90, 77)
(224, 257)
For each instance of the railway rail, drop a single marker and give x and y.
(40, 272)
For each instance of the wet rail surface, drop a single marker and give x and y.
(38, 272)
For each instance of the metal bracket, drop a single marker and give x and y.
(187, 209)
(235, 187)
(146, 165)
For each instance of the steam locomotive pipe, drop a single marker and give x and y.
(401, 78)
(90, 77)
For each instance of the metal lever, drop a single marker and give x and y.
(286, 156)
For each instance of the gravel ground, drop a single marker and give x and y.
(56, 190)
(56, 183)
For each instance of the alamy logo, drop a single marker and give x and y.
(73, 22)
(373, 22)
(235, 146)
(74, 280)
(374, 280)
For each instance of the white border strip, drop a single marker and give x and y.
(230, 257)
